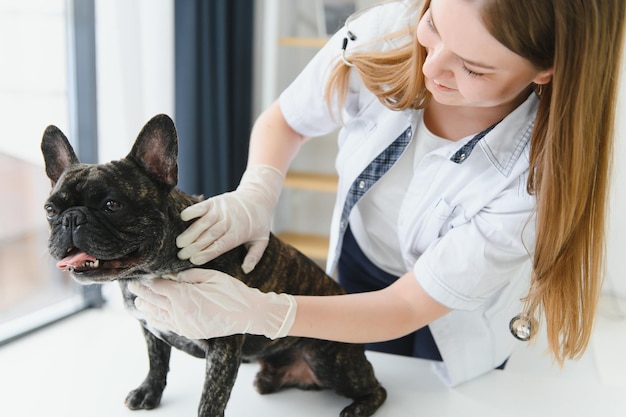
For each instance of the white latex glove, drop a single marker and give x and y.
(203, 304)
(232, 219)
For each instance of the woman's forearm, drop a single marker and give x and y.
(376, 316)
(272, 141)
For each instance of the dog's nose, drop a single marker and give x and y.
(73, 219)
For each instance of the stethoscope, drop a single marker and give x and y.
(521, 326)
(350, 36)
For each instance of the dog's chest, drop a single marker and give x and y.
(193, 347)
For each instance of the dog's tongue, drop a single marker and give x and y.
(75, 260)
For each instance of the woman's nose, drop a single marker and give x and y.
(438, 63)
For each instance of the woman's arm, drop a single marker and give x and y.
(244, 215)
(376, 316)
(272, 141)
(202, 304)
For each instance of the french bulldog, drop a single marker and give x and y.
(118, 222)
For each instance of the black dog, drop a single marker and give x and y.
(119, 221)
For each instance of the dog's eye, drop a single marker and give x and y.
(112, 205)
(51, 210)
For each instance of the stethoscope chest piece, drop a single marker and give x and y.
(521, 327)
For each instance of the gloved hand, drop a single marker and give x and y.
(203, 304)
(231, 219)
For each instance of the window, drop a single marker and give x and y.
(39, 85)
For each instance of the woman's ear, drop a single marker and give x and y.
(544, 77)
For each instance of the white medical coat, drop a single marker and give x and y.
(466, 229)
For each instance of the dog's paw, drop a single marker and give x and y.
(143, 398)
(366, 405)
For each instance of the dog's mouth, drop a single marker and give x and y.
(80, 262)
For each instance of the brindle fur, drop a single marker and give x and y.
(143, 229)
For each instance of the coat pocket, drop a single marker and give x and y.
(435, 224)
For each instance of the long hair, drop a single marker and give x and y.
(571, 144)
(570, 152)
(394, 76)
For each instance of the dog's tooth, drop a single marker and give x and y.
(96, 263)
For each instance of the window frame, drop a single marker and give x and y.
(82, 99)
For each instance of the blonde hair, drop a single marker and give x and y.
(394, 76)
(571, 145)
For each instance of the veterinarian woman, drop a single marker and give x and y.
(492, 122)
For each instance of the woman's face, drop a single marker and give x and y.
(465, 65)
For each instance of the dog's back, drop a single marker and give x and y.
(281, 269)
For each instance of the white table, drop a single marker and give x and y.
(85, 366)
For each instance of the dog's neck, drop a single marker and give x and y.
(178, 202)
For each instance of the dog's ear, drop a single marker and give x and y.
(58, 154)
(156, 150)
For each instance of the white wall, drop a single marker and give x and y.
(135, 69)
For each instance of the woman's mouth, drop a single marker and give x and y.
(442, 87)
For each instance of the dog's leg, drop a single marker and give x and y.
(350, 375)
(361, 385)
(223, 357)
(285, 369)
(148, 394)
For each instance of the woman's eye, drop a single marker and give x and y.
(470, 72)
(112, 205)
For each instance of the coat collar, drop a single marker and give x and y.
(517, 126)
